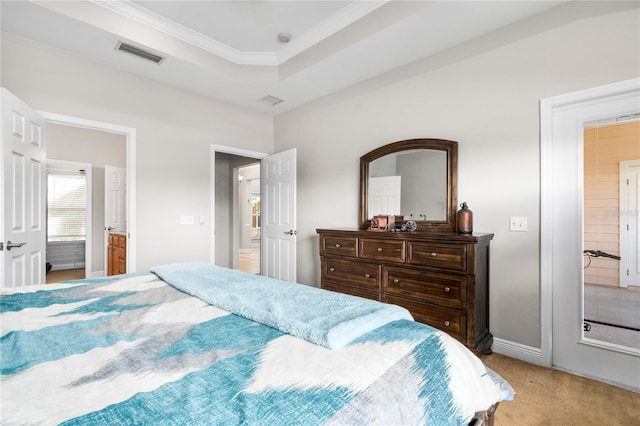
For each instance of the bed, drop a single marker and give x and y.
(196, 344)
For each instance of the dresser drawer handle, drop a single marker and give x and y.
(338, 245)
(447, 290)
(367, 275)
(447, 323)
(433, 254)
(332, 269)
(396, 281)
(379, 249)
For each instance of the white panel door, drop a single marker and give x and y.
(279, 215)
(629, 223)
(115, 196)
(384, 195)
(115, 209)
(23, 194)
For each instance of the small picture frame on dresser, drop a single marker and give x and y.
(383, 222)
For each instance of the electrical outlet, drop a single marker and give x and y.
(518, 223)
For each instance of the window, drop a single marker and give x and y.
(66, 203)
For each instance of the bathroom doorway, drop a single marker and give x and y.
(611, 188)
(565, 345)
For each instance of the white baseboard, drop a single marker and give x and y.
(62, 267)
(518, 351)
(97, 274)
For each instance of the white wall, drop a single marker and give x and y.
(174, 131)
(485, 95)
(98, 148)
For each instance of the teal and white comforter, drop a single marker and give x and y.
(134, 349)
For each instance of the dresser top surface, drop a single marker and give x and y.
(430, 236)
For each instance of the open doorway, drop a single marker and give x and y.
(69, 215)
(611, 278)
(94, 149)
(565, 345)
(236, 209)
(277, 209)
(249, 218)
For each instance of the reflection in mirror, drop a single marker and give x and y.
(611, 233)
(395, 179)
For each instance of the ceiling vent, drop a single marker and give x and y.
(270, 100)
(141, 53)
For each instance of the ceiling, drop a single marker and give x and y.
(229, 50)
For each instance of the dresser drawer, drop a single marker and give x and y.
(339, 246)
(353, 273)
(447, 256)
(449, 320)
(354, 291)
(370, 248)
(441, 288)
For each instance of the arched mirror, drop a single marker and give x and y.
(415, 179)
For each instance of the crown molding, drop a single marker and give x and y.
(347, 16)
(302, 42)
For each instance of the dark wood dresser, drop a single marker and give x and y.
(441, 278)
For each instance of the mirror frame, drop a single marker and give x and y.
(451, 147)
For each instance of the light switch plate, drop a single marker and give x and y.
(186, 220)
(518, 223)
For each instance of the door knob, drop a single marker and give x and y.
(11, 245)
(291, 232)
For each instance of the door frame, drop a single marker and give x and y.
(88, 238)
(130, 136)
(212, 191)
(551, 258)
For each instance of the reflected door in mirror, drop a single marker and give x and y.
(385, 195)
(417, 176)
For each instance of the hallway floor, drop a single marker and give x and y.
(65, 275)
(250, 262)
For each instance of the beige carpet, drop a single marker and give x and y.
(546, 396)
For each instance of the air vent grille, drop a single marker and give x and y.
(141, 53)
(270, 100)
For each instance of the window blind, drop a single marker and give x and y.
(66, 203)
